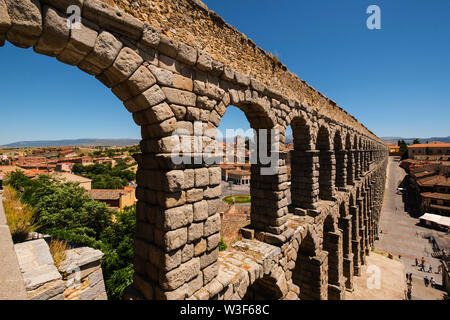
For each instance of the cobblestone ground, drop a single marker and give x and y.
(390, 286)
(401, 235)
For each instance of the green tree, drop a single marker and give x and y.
(416, 141)
(65, 211)
(403, 146)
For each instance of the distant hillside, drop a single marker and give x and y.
(74, 142)
(410, 140)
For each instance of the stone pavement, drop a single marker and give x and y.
(41, 277)
(11, 282)
(401, 234)
(392, 283)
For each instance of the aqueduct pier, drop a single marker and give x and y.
(175, 64)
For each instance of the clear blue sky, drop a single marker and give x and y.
(395, 80)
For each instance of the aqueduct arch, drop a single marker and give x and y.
(172, 86)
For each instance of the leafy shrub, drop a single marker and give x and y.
(222, 245)
(20, 218)
(66, 211)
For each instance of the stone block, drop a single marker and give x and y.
(140, 80)
(113, 19)
(213, 206)
(215, 175)
(175, 239)
(195, 231)
(187, 54)
(170, 260)
(48, 291)
(180, 97)
(168, 46)
(179, 276)
(210, 272)
(183, 83)
(150, 97)
(212, 192)
(213, 241)
(178, 217)
(200, 210)
(55, 33)
(201, 177)
(189, 178)
(200, 247)
(164, 77)
(150, 36)
(26, 22)
(204, 61)
(80, 43)
(187, 252)
(212, 225)
(105, 51)
(214, 287)
(178, 111)
(194, 285)
(5, 21)
(174, 180)
(125, 64)
(95, 277)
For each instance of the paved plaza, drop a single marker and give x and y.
(401, 235)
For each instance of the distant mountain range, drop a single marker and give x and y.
(74, 142)
(395, 139)
(410, 140)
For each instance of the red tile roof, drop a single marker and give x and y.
(435, 144)
(436, 195)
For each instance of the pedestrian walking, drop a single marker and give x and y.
(410, 278)
(433, 282)
(423, 260)
(417, 262)
(426, 281)
(409, 292)
(430, 269)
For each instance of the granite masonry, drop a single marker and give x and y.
(310, 249)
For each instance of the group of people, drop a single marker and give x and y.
(427, 281)
(422, 266)
(409, 285)
(431, 281)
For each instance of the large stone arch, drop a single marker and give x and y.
(326, 163)
(332, 244)
(341, 160)
(169, 86)
(309, 273)
(304, 191)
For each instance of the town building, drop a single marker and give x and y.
(226, 168)
(86, 160)
(69, 177)
(432, 148)
(393, 148)
(429, 181)
(64, 166)
(239, 176)
(116, 199)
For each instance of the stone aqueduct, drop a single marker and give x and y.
(310, 249)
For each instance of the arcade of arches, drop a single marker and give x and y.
(310, 249)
